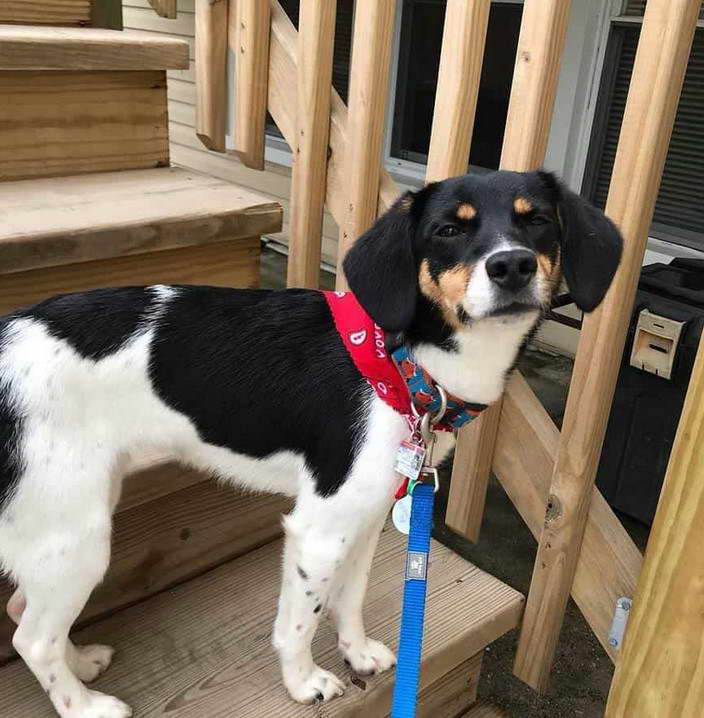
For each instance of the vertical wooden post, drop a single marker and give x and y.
(369, 76)
(660, 673)
(252, 26)
(463, 39)
(538, 61)
(661, 60)
(316, 36)
(211, 73)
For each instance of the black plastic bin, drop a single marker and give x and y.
(647, 407)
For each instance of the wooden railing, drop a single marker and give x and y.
(583, 548)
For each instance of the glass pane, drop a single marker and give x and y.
(419, 58)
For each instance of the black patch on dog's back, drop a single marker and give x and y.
(259, 372)
(95, 323)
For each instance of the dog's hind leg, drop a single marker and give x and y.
(87, 662)
(55, 542)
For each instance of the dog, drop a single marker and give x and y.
(257, 388)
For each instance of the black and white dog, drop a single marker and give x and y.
(258, 388)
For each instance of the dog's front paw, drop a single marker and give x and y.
(318, 685)
(102, 706)
(367, 657)
(89, 662)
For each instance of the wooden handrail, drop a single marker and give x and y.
(316, 36)
(658, 74)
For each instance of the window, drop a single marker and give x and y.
(419, 59)
(679, 211)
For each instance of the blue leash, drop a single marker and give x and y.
(413, 613)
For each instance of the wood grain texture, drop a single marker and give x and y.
(63, 48)
(310, 153)
(470, 474)
(44, 223)
(609, 562)
(233, 263)
(369, 77)
(204, 647)
(538, 60)
(165, 8)
(537, 70)
(661, 60)
(164, 542)
(46, 12)
(661, 672)
(64, 123)
(461, 59)
(251, 20)
(211, 73)
(451, 694)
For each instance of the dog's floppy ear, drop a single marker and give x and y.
(591, 247)
(381, 266)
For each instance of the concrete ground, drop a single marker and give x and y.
(583, 672)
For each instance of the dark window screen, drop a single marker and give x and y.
(679, 211)
(419, 59)
(637, 7)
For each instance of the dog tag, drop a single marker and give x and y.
(401, 514)
(409, 459)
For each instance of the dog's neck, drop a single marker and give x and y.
(473, 363)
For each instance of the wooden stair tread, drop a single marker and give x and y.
(203, 648)
(62, 220)
(66, 48)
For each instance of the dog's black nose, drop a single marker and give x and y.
(512, 269)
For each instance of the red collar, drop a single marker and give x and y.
(365, 342)
(398, 380)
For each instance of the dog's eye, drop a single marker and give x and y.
(449, 230)
(537, 219)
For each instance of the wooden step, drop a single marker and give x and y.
(202, 649)
(57, 221)
(65, 48)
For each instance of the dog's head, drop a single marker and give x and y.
(483, 246)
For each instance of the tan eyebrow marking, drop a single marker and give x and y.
(466, 211)
(521, 205)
